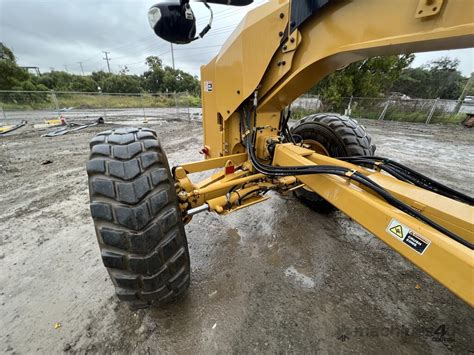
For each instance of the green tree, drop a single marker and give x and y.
(446, 81)
(12, 77)
(100, 76)
(167, 79)
(122, 84)
(153, 77)
(11, 74)
(371, 77)
(6, 53)
(57, 80)
(439, 78)
(83, 84)
(413, 82)
(154, 62)
(470, 87)
(186, 82)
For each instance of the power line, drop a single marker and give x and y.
(144, 49)
(107, 59)
(200, 47)
(206, 53)
(143, 62)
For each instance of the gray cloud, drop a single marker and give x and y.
(59, 33)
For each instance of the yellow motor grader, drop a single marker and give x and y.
(279, 51)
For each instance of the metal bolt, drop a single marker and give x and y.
(282, 15)
(292, 40)
(280, 34)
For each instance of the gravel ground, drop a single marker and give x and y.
(275, 277)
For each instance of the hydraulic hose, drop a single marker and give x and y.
(409, 175)
(344, 172)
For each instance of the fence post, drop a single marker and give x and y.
(105, 106)
(384, 111)
(430, 115)
(3, 114)
(348, 110)
(145, 120)
(55, 102)
(176, 104)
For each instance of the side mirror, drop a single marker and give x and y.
(173, 21)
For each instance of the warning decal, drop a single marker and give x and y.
(397, 230)
(408, 237)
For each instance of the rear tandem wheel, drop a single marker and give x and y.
(333, 135)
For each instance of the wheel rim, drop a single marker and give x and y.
(318, 148)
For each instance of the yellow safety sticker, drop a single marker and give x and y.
(397, 230)
(404, 234)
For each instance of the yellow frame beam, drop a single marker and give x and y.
(446, 260)
(214, 163)
(273, 73)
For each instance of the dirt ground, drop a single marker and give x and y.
(275, 277)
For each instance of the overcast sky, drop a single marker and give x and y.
(60, 33)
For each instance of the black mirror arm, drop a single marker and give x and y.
(223, 2)
(208, 26)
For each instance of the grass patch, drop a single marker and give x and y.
(439, 116)
(40, 101)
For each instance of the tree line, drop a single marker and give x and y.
(157, 78)
(393, 76)
(373, 77)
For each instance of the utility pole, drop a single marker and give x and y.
(82, 68)
(107, 59)
(174, 94)
(172, 55)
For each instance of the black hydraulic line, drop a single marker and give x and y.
(395, 173)
(347, 173)
(284, 129)
(288, 132)
(256, 191)
(412, 176)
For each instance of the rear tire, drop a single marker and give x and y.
(334, 135)
(136, 216)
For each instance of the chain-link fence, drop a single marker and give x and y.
(395, 109)
(41, 106)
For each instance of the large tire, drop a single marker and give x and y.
(137, 220)
(334, 135)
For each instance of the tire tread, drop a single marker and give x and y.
(353, 141)
(136, 215)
